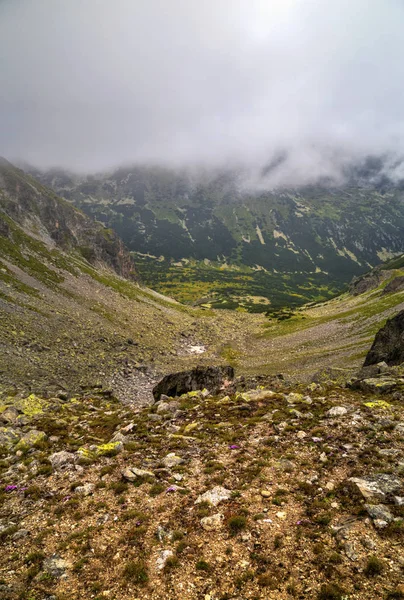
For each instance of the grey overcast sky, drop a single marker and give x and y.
(91, 84)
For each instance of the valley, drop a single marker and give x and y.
(198, 234)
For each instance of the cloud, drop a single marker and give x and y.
(89, 85)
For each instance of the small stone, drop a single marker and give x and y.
(330, 486)
(132, 473)
(22, 533)
(109, 449)
(86, 490)
(212, 523)
(301, 435)
(323, 457)
(336, 411)
(55, 565)
(31, 438)
(61, 460)
(266, 493)
(368, 543)
(10, 415)
(281, 515)
(162, 559)
(214, 496)
(172, 460)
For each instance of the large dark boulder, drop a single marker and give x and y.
(211, 378)
(389, 343)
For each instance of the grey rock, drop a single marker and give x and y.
(212, 523)
(377, 385)
(32, 437)
(163, 558)
(336, 411)
(55, 565)
(85, 490)
(10, 415)
(379, 511)
(376, 488)
(62, 460)
(172, 460)
(214, 496)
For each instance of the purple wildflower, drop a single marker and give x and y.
(172, 488)
(234, 447)
(11, 488)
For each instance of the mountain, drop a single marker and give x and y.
(30, 212)
(294, 466)
(219, 239)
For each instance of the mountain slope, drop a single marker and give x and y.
(207, 234)
(52, 220)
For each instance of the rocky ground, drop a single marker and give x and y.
(266, 490)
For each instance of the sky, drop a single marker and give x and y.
(92, 84)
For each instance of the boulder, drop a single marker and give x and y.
(62, 460)
(388, 345)
(10, 415)
(376, 488)
(395, 285)
(210, 378)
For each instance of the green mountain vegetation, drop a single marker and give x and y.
(206, 238)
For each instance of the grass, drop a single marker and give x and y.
(374, 566)
(237, 524)
(136, 572)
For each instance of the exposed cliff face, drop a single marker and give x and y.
(46, 217)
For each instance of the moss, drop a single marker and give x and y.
(110, 449)
(32, 405)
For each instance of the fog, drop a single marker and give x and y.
(292, 89)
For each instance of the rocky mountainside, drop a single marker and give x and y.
(262, 490)
(211, 238)
(27, 208)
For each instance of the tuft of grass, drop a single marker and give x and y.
(237, 524)
(202, 565)
(374, 566)
(136, 572)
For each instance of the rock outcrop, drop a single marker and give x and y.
(388, 345)
(210, 378)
